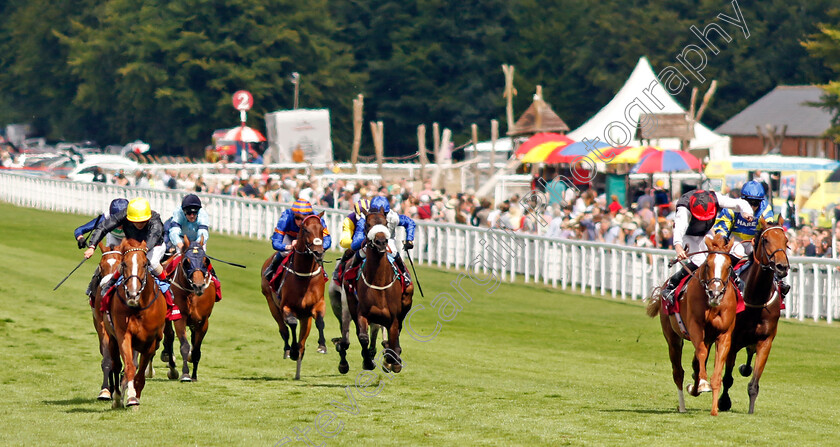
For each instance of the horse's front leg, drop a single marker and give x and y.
(725, 403)
(127, 355)
(198, 332)
(392, 359)
(362, 327)
(291, 320)
(722, 345)
(320, 310)
(698, 364)
(181, 331)
(305, 327)
(675, 346)
(762, 352)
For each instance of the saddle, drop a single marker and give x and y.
(678, 293)
(352, 276)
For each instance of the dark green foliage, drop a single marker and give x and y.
(163, 71)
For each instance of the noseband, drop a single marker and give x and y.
(142, 279)
(770, 265)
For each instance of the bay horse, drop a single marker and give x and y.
(708, 308)
(379, 299)
(109, 264)
(138, 313)
(755, 327)
(194, 292)
(300, 296)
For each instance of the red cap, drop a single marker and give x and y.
(702, 207)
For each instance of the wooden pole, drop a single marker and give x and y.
(421, 149)
(358, 107)
(475, 172)
(436, 141)
(494, 135)
(510, 92)
(376, 129)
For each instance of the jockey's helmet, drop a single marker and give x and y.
(380, 203)
(302, 207)
(361, 205)
(702, 206)
(139, 210)
(752, 192)
(117, 206)
(191, 203)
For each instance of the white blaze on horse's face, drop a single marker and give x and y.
(378, 228)
(718, 261)
(111, 262)
(317, 241)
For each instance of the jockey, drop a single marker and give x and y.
(743, 231)
(191, 221)
(112, 239)
(394, 219)
(348, 229)
(695, 215)
(285, 234)
(139, 223)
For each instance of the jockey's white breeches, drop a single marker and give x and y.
(693, 244)
(113, 241)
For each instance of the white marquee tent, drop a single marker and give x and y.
(621, 114)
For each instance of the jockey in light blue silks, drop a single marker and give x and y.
(286, 232)
(112, 239)
(191, 221)
(732, 225)
(394, 220)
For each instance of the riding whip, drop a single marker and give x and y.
(225, 262)
(68, 275)
(416, 279)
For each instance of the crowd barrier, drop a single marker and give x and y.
(590, 267)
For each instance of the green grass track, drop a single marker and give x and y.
(525, 365)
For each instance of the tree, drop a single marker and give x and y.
(825, 46)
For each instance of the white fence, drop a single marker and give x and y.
(596, 268)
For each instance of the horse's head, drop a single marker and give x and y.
(133, 270)
(715, 272)
(194, 265)
(770, 248)
(311, 236)
(110, 261)
(376, 229)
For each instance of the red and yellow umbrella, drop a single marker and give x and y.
(545, 142)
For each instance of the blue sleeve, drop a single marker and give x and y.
(88, 227)
(359, 235)
(203, 221)
(280, 231)
(327, 237)
(408, 224)
(175, 227)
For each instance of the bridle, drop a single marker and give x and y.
(714, 296)
(134, 302)
(771, 264)
(307, 250)
(196, 289)
(381, 250)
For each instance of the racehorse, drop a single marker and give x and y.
(708, 308)
(300, 296)
(195, 294)
(109, 264)
(338, 302)
(138, 313)
(755, 327)
(379, 299)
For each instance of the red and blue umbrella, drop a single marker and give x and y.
(666, 161)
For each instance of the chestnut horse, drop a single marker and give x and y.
(194, 293)
(708, 308)
(138, 313)
(301, 292)
(755, 327)
(108, 266)
(379, 300)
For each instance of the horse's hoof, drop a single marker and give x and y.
(724, 403)
(704, 387)
(343, 368)
(335, 341)
(322, 349)
(396, 368)
(745, 370)
(186, 378)
(105, 394)
(386, 368)
(690, 390)
(172, 374)
(118, 403)
(132, 402)
(368, 365)
(286, 354)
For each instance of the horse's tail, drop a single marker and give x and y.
(653, 302)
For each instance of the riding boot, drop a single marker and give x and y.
(94, 281)
(340, 265)
(401, 267)
(783, 287)
(272, 267)
(670, 289)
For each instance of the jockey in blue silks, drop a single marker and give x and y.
(192, 221)
(112, 239)
(394, 220)
(286, 232)
(732, 225)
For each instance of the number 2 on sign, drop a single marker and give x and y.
(244, 101)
